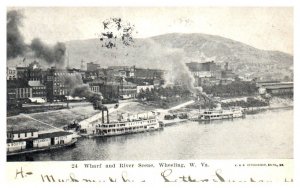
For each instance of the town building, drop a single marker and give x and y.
(120, 71)
(35, 72)
(227, 75)
(11, 73)
(110, 91)
(92, 66)
(133, 72)
(31, 72)
(149, 73)
(144, 88)
(38, 89)
(56, 87)
(126, 89)
(208, 73)
(95, 87)
(275, 88)
(206, 69)
(22, 73)
(18, 91)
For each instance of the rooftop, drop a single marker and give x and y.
(54, 134)
(17, 84)
(22, 130)
(279, 86)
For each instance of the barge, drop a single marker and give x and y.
(31, 140)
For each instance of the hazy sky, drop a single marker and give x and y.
(263, 28)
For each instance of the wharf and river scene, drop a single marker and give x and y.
(175, 93)
(262, 134)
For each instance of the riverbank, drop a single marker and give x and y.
(88, 117)
(265, 135)
(50, 120)
(132, 108)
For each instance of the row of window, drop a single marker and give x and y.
(121, 125)
(63, 73)
(214, 116)
(122, 130)
(9, 135)
(41, 88)
(112, 125)
(24, 90)
(38, 93)
(11, 77)
(60, 92)
(58, 84)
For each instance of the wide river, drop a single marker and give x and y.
(267, 134)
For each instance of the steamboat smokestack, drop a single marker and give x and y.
(102, 116)
(107, 115)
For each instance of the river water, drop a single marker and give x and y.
(265, 135)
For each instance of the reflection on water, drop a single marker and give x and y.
(264, 135)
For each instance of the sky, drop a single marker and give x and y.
(264, 28)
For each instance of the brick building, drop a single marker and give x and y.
(18, 91)
(38, 89)
(11, 73)
(56, 89)
(92, 66)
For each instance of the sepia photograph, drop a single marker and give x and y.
(149, 83)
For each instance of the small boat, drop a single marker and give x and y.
(72, 127)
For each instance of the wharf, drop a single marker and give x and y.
(173, 121)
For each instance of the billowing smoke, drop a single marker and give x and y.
(173, 60)
(53, 54)
(84, 91)
(16, 45)
(79, 89)
(15, 41)
(179, 73)
(71, 81)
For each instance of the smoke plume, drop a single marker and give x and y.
(55, 54)
(179, 74)
(71, 81)
(16, 45)
(173, 59)
(79, 89)
(15, 41)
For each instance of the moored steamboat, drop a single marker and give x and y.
(219, 113)
(127, 124)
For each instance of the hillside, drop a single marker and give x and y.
(163, 50)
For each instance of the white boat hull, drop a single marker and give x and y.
(130, 127)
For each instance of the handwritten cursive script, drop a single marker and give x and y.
(168, 176)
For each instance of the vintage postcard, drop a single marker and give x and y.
(149, 94)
